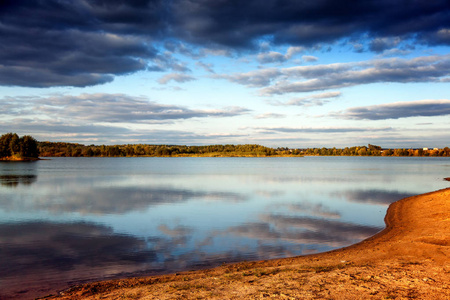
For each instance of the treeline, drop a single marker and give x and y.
(13, 147)
(375, 151)
(50, 149)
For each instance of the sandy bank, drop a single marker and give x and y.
(409, 259)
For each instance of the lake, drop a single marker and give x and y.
(70, 220)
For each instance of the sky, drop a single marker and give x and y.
(279, 73)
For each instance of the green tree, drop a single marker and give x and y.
(14, 144)
(28, 147)
(5, 141)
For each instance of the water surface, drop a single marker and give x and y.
(68, 220)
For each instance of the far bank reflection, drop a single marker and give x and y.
(15, 180)
(13, 174)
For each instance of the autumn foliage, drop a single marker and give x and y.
(12, 147)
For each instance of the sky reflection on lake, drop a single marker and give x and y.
(67, 220)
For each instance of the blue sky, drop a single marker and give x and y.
(278, 73)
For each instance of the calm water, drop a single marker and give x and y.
(68, 220)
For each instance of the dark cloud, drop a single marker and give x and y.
(397, 110)
(76, 43)
(32, 77)
(440, 37)
(380, 44)
(54, 57)
(81, 43)
(237, 24)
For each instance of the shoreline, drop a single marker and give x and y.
(410, 258)
(18, 159)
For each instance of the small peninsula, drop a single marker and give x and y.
(15, 148)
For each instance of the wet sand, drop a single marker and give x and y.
(410, 259)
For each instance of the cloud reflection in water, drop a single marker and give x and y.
(305, 230)
(372, 196)
(107, 200)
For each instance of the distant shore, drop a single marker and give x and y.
(61, 149)
(410, 258)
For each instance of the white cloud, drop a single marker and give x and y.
(292, 51)
(310, 58)
(277, 57)
(300, 79)
(257, 78)
(269, 116)
(312, 100)
(180, 78)
(112, 108)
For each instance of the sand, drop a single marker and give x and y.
(410, 259)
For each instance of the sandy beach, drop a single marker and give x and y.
(409, 259)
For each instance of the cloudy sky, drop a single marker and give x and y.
(289, 73)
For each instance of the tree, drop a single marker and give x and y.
(387, 152)
(28, 147)
(5, 141)
(362, 151)
(13, 146)
(374, 147)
